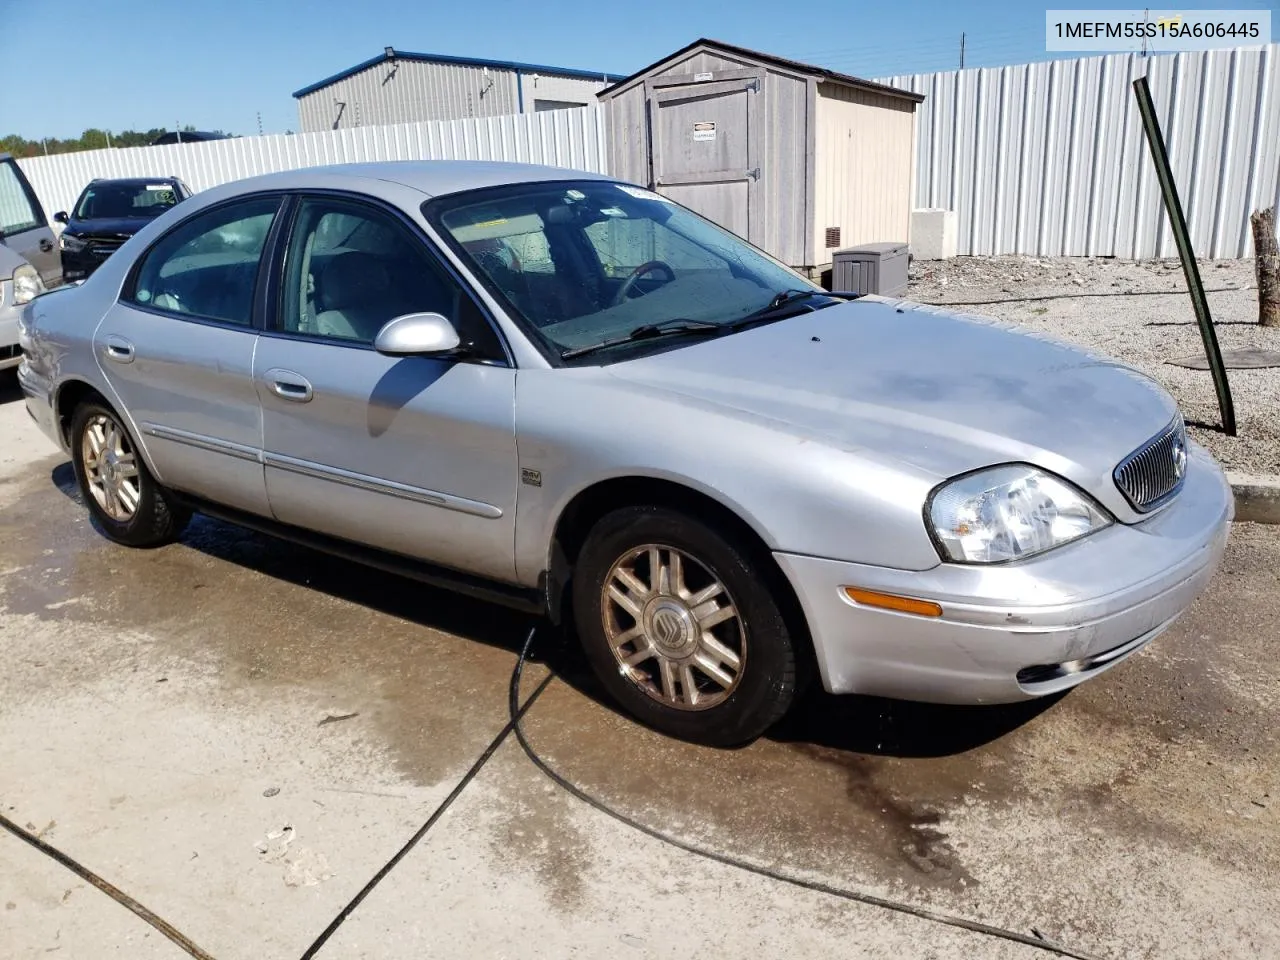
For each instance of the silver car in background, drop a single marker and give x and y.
(575, 396)
(28, 255)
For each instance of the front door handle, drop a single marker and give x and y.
(46, 244)
(118, 349)
(288, 385)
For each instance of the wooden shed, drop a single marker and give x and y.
(799, 160)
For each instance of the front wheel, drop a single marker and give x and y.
(682, 628)
(126, 501)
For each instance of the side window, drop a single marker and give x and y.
(208, 266)
(351, 268)
(624, 243)
(16, 211)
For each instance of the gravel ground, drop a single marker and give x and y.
(1091, 303)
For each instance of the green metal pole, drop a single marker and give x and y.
(1195, 286)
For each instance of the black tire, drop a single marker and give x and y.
(156, 519)
(766, 681)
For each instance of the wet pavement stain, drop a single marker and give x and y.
(915, 829)
(538, 834)
(799, 805)
(265, 613)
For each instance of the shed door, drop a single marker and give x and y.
(702, 150)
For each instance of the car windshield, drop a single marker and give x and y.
(113, 201)
(592, 262)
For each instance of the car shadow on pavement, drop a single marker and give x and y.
(857, 724)
(901, 728)
(10, 392)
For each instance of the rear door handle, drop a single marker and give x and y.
(288, 385)
(46, 244)
(118, 349)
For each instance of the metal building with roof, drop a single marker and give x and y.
(401, 87)
(797, 159)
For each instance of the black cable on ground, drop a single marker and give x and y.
(1074, 296)
(115, 893)
(517, 712)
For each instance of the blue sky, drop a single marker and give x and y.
(217, 64)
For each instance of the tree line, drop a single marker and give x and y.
(91, 139)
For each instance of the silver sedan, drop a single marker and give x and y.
(574, 396)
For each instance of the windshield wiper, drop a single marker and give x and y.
(774, 309)
(648, 331)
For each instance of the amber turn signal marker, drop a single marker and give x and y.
(888, 601)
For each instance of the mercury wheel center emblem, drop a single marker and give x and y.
(668, 627)
(1179, 457)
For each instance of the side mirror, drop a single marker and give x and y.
(61, 217)
(417, 334)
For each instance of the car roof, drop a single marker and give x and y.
(431, 177)
(134, 181)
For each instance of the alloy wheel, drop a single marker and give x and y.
(673, 627)
(111, 468)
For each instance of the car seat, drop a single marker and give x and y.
(354, 297)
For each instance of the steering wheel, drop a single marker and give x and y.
(629, 284)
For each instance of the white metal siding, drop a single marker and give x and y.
(565, 138)
(407, 91)
(1050, 158)
(544, 86)
(863, 171)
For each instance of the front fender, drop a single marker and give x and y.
(578, 428)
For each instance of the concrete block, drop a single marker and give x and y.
(933, 234)
(1257, 498)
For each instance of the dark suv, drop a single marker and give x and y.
(107, 214)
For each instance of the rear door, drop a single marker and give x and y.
(178, 349)
(23, 225)
(703, 144)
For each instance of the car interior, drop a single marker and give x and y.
(355, 274)
(575, 273)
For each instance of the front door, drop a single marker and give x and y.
(415, 455)
(178, 351)
(703, 146)
(23, 227)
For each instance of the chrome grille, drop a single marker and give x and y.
(103, 244)
(1153, 473)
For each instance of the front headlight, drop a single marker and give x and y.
(26, 284)
(70, 243)
(1008, 513)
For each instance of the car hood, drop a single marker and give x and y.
(110, 226)
(940, 392)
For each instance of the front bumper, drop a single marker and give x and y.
(80, 264)
(1056, 619)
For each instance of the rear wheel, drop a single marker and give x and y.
(682, 628)
(126, 501)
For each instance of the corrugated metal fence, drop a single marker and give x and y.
(565, 138)
(1049, 158)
